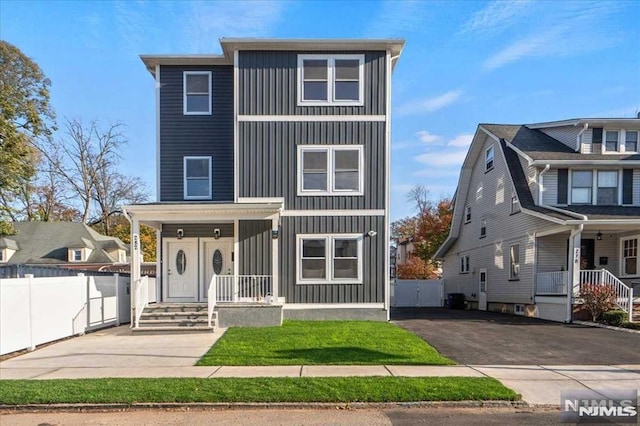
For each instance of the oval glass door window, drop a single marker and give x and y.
(217, 262)
(181, 262)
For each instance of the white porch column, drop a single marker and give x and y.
(135, 263)
(159, 277)
(275, 273)
(574, 268)
(236, 257)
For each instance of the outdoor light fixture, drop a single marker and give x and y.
(372, 233)
(216, 233)
(180, 233)
(274, 234)
(599, 236)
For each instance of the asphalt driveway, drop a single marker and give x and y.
(486, 338)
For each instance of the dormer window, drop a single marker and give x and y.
(75, 255)
(631, 141)
(330, 79)
(611, 141)
(197, 92)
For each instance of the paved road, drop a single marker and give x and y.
(486, 338)
(368, 417)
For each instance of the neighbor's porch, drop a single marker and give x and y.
(567, 260)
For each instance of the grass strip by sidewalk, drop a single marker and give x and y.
(303, 389)
(322, 343)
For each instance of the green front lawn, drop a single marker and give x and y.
(304, 389)
(322, 343)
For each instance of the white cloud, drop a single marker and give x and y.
(497, 16)
(397, 18)
(209, 21)
(427, 137)
(440, 159)
(428, 105)
(462, 140)
(574, 28)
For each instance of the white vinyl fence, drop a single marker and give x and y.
(39, 310)
(418, 293)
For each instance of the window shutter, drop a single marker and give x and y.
(627, 186)
(596, 140)
(563, 185)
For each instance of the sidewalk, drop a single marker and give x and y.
(116, 353)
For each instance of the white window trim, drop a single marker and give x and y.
(514, 275)
(483, 225)
(594, 187)
(623, 141)
(329, 257)
(184, 92)
(184, 178)
(604, 141)
(622, 240)
(467, 214)
(330, 81)
(2, 256)
(72, 255)
(486, 160)
(330, 149)
(463, 265)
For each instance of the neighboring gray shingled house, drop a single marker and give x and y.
(542, 208)
(68, 244)
(273, 176)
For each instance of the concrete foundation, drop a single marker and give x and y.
(250, 315)
(365, 314)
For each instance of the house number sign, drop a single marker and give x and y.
(136, 242)
(576, 256)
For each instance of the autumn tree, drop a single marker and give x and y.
(427, 230)
(26, 118)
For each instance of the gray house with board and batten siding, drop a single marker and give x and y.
(273, 180)
(544, 211)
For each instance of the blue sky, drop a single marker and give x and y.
(465, 62)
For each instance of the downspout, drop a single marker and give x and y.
(578, 143)
(570, 282)
(540, 185)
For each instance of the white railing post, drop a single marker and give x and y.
(630, 319)
(211, 297)
(115, 279)
(235, 288)
(32, 346)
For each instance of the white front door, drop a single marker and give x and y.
(216, 256)
(482, 290)
(181, 270)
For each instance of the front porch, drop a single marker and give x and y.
(217, 264)
(566, 261)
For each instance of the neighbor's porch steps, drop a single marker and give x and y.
(175, 318)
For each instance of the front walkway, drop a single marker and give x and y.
(117, 353)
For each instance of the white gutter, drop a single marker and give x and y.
(616, 160)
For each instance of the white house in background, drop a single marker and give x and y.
(542, 208)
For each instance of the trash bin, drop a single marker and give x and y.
(455, 300)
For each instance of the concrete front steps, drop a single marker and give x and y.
(175, 318)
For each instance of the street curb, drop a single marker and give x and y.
(258, 406)
(608, 327)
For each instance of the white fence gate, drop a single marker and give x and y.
(418, 293)
(39, 310)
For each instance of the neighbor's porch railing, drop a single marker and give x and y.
(624, 293)
(552, 283)
(141, 298)
(238, 289)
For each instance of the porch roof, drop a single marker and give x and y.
(155, 214)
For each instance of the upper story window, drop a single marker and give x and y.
(607, 189)
(330, 79)
(197, 92)
(330, 170)
(611, 140)
(483, 228)
(464, 264)
(75, 255)
(2, 255)
(515, 204)
(197, 178)
(467, 214)
(581, 186)
(488, 159)
(514, 262)
(331, 259)
(631, 141)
